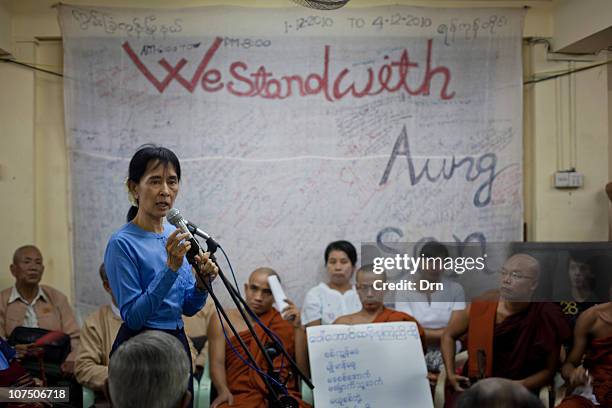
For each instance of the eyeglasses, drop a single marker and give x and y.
(513, 275)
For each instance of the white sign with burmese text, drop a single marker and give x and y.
(368, 366)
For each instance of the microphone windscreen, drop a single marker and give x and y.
(174, 217)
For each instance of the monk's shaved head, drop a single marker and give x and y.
(498, 392)
(519, 278)
(257, 290)
(19, 252)
(526, 263)
(369, 270)
(366, 283)
(265, 272)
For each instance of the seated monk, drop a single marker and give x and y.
(236, 383)
(508, 336)
(593, 339)
(373, 309)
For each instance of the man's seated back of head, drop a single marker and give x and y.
(499, 393)
(150, 370)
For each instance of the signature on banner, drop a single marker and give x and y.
(92, 19)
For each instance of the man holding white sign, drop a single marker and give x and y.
(372, 358)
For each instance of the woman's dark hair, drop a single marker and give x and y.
(582, 257)
(141, 159)
(434, 249)
(590, 261)
(343, 246)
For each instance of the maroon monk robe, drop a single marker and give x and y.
(598, 360)
(520, 345)
(245, 384)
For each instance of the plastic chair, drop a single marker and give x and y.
(552, 395)
(307, 394)
(460, 360)
(196, 391)
(89, 397)
(204, 389)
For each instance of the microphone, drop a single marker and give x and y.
(195, 230)
(175, 218)
(272, 350)
(211, 244)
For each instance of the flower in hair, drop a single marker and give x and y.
(130, 194)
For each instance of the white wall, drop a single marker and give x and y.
(609, 141)
(17, 169)
(568, 215)
(52, 207)
(574, 20)
(5, 29)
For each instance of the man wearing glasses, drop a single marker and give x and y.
(508, 334)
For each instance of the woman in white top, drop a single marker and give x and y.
(433, 309)
(327, 301)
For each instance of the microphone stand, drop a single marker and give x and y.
(276, 400)
(212, 247)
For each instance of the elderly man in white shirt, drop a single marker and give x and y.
(30, 304)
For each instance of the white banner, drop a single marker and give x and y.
(298, 127)
(368, 365)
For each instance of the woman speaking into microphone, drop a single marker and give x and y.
(149, 275)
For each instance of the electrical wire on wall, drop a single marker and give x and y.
(565, 73)
(532, 81)
(564, 107)
(572, 117)
(34, 67)
(558, 124)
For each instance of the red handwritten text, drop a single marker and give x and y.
(390, 77)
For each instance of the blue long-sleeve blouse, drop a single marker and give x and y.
(149, 293)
